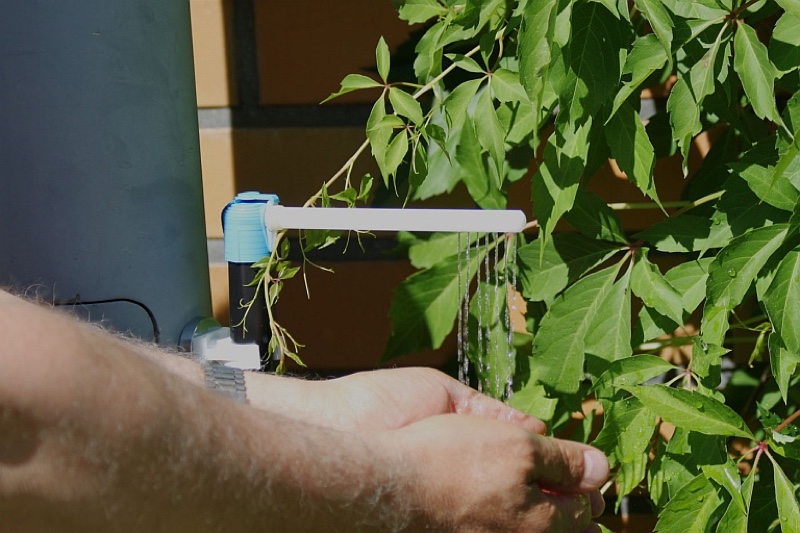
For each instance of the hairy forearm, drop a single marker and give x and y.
(94, 435)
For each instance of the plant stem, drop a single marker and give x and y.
(700, 201)
(630, 206)
(789, 419)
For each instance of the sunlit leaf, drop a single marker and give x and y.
(424, 308)
(558, 351)
(649, 284)
(632, 149)
(566, 257)
(354, 82)
(417, 11)
(786, 497)
(696, 507)
(405, 105)
(758, 74)
(691, 410)
(659, 20)
(633, 370)
(733, 271)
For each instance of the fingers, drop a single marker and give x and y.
(567, 466)
(469, 401)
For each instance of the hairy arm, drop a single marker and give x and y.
(95, 435)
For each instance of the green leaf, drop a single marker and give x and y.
(758, 168)
(691, 410)
(457, 103)
(696, 507)
(609, 336)
(354, 82)
(418, 11)
(646, 57)
(474, 173)
(555, 183)
(786, 497)
(625, 438)
(383, 59)
(751, 62)
(506, 86)
(424, 308)
(784, 47)
(536, 35)
(592, 68)
(558, 350)
(697, 9)
(782, 301)
(659, 19)
(790, 6)
(684, 117)
(533, 400)
(689, 279)
(631, 148)
(425, 253)
(633, 370)
(566, 258)
(732, 273)
(396, 151)
(466, 63)
(405, 105)
(490, 132)
(649, 284)
(594, 218)
(736, 516)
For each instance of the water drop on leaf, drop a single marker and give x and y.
(732, 272)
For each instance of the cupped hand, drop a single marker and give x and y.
(394, 398)
(470, 474)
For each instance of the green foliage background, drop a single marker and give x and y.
(498, 82)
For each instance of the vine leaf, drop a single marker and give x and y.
(661, 22)
(633, 370)
(405, 105)
(632, 149)
(424, 308)
(691, 410)
(594, 218)
(535, 39)
(559, 346)
(684, 117)
(592, 69)
(646, 57)
(566, 258)
(788, 507)
(695, 507)
(627, 428)
(383, 59)
(418, 11)
(555, 183)
(491, 134)
(354, 82)
(782, 302)
(649, 284)
(609, 336)
(757, 73)
(732, 273)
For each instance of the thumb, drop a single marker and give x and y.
(567, 466)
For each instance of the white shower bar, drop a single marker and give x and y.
(278, 217)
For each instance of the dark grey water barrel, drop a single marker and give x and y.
(100, 192)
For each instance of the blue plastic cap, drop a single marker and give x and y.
(246, 237)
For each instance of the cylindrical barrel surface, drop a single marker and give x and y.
(101, 197)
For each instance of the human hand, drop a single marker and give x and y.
(393, 398)
(469, 474)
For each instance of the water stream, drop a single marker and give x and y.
(489, 309)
